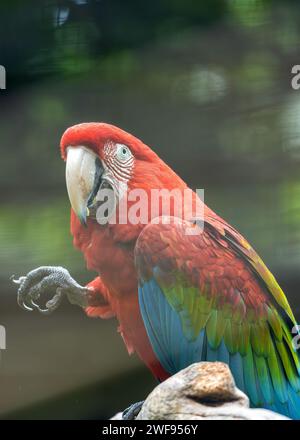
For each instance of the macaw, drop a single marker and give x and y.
(179, 298)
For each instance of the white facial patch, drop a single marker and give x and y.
(119, 161)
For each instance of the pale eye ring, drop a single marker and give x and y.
(123, 153)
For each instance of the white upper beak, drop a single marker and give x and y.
(80, 178)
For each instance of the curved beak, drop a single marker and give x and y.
(83, 177)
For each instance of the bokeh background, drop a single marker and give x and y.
(207, 84)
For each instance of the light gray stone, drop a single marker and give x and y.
(204, 390)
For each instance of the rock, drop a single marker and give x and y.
(204, 390)
(117, 416)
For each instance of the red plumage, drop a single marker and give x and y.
(220, 256)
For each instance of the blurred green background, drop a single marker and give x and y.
(207, 84)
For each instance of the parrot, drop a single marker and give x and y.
(179, 297)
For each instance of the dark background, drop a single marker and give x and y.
(207, 84)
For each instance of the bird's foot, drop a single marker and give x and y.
(49, 279)
(132, 411)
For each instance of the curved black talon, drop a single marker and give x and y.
(132, 411)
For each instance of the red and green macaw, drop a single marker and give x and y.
(178, 298)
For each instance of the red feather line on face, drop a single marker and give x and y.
(122, 171)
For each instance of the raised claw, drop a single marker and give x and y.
(48, 279)
(28, 293)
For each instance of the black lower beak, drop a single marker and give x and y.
(97, 182)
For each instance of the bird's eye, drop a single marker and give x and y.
(123, 153)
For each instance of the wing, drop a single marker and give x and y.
(208, 296)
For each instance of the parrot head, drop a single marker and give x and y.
(100, 155)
